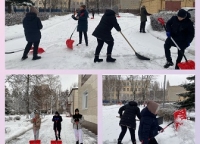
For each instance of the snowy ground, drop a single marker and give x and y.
(111, 130)
(58, 29)
(47, 133)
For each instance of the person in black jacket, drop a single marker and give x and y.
(181, 29)
(32, 26)
(128, 120)
(82, 18)
(149, 127)
(103, 34)
(57, 119)
(93, 12)
(143, 18)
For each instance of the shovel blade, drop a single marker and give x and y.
(141, 57)
(187, 65)
(56, 142)
(40, 50)
(178, 116)
(69, 43)
(34, 142)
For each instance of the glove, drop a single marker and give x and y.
(168, 34)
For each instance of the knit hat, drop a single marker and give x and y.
(152, 106)
(56, 113)
(76, 110)
(33, 10)
(182, 13)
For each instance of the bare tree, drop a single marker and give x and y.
(133, 81)
(118, 86)
(109, 83)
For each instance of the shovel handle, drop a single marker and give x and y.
(127, 41)
(162, 22)
(73, 32)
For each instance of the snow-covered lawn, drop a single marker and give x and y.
(111, 130)
(58, 29)
(47, 133)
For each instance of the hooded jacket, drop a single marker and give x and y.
(143, 14)
(32, 26)
(103, 30)
(148, 126)
(181, 31)
(77, 121)
(130, 112)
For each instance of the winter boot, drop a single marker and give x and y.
(96, 59)
(176, 67)
(110, 59)
(36, 57)
(77, 142)
(56, 138)
(168, 64)
(134, 142)
(24, 57)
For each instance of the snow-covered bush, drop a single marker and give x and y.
(166, 16)
(166, 113)
(7, 130)
(17, 118)
(10, 118)
(6, 119)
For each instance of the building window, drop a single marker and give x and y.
(85, 100)
(138, 89)
(124, 89)
(127, 89)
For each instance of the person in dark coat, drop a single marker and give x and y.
(103, 34)
(143, 18)
(32, 26)
(181, 29)
(57, 119)
(130, 110)
(93, 12)
(82, 18)
(149, 127)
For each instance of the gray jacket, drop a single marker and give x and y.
(77, 125)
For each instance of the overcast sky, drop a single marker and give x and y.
(68, 80)
(173, 79)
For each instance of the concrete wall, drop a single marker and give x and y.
(89, 113)
(173, 91)
(129, 4)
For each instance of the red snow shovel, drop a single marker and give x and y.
(178, 116)
(56, 142)
(189, 64)
(69, 42)
(40, 50)
(34, 142)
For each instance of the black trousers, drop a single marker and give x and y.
(85, 36)
(142, 26)
(168, 44)
(28, 47)
(123, 132)
(153, 141)
(100, 45)
(93, 15)
(58, 133)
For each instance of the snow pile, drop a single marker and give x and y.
(186, 132)
(156, 26)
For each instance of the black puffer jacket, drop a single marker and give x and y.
(130, 112)
(32, 26)
(181, 31)
(103, 30)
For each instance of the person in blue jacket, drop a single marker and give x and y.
(57, 119)
(32, 26)
(82, 28)
(149, 127)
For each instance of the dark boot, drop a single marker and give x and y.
(24, 57)
(110, 59)
(119, 142)
(36, 57)
(168, 64)
(96, 59)
(176, 67)
(134, 142)
(56, 138)
(77, 142)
